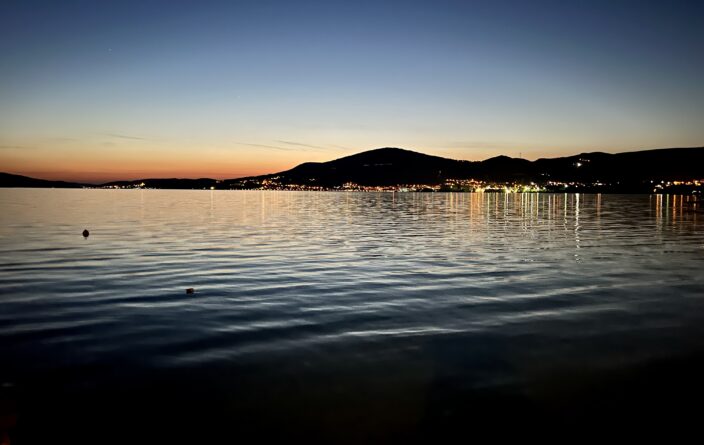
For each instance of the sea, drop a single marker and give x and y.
(350, 317)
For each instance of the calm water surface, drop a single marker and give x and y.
(343, 316)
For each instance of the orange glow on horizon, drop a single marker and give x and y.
(100, 172)
(83, 165)
(114, 174)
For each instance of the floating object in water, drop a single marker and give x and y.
(86, 233)
(190, 290)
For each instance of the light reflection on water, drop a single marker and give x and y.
(435, 296)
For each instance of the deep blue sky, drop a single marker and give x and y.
(94, 90)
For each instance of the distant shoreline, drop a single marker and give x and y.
(542, 192)
(671, 170)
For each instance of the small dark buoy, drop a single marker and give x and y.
(86, 233)
(190, 290)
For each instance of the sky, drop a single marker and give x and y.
(97, 91)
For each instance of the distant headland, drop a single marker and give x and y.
(667, 170)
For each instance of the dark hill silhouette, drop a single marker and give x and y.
(383, 166)
(666, 163)
(391, 166)
(395, 166)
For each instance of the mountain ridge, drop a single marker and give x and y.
(389, 166)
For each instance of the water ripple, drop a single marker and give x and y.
(463, 278)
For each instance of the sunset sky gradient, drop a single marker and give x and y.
(96, 91)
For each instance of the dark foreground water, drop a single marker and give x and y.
(346, 317)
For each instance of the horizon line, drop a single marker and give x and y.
(224, 177)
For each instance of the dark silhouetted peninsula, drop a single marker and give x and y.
(10, 180)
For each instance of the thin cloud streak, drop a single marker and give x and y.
(300, 144)
(266, 146)
(16, 147)
(125, 136)
(60, 139)
(342, 147)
